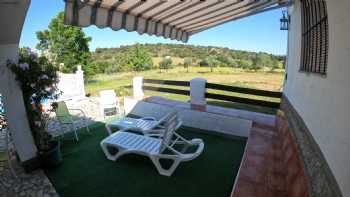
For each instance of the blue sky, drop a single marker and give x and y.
(256, 33)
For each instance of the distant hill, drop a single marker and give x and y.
(200, 55)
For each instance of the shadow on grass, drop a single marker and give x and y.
(204, 72)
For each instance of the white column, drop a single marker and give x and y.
(80, 81)
(14, 106)
(137, 87)
(12, 16)
(197, 92)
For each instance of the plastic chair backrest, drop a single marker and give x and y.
(62, 113)
(108, 97)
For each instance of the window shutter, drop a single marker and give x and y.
(314, 50)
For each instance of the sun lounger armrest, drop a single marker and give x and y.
(149, 118)
(115, 133)
(154, 135)
(154, 132)
(194, 142)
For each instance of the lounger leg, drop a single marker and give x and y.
(109, 155)
(75, 132)
(109, 129)
(87, 128)
(163, 171)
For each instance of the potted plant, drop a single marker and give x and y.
(49, 148)
(38, 80)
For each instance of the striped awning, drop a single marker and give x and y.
(174, 19)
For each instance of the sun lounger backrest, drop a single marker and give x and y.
(171, 123)
(164, 118)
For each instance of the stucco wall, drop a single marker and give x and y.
(323, 102)
(191, 118)
(12, 15)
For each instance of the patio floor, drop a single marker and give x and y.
(86, 171)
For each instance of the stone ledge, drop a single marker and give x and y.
(321, 179)
(271, 164)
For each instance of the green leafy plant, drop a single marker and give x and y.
(210, 62)
(38, 79)
(166, 63)
(66, 45)
(139, 59)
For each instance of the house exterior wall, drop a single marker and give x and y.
(323, 101)
(12, 16)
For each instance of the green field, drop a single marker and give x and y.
(264, 80)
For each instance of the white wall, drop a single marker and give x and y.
(11, 22)
(191, 118)
(71, 86)
(324, 102)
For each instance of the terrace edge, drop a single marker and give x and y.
(321, 179)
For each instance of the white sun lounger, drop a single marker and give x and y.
(137, 124)
(124, 142)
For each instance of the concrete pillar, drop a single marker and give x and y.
(137, 88)
(80, 81)
(197, 92)
(12, 16)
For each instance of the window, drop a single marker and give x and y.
(314, 49)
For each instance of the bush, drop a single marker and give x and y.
(244, 64)
(38, 79)
(209, 62)
(187, 63)
(139, 59)
(204, 63)
(166, 63)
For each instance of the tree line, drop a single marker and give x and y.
(205, 56)
(68, 46)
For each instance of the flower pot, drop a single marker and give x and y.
(52, 157)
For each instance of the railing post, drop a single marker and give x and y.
(80, 81)
(197, 93)
(137, 87)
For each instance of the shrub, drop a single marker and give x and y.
(138, 59)
(166, 63)
(38, 79)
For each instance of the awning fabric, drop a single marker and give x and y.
(174, 19)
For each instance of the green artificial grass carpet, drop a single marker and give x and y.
(87, 172)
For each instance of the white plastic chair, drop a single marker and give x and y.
(109, 101)
(154, 146)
